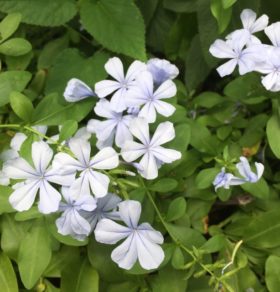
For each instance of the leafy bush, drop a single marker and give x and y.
(177, 163)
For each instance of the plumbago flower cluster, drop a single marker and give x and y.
(245, 50)
(76, 181)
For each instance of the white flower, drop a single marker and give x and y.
(77, 90)
(142, 241)
(71, 222)
(89, 178)
(273, 33)
(151, 150)
(162, 70)
(114, 68)
(105, 209)
(270, 67)
(143, 94)
(222, 179)
(116, 125)
(245, 170)
(252, 25)
(36, 178)
(235, 50)
(4, 179)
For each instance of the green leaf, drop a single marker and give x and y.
(80, 278)
(208, 99)
(9, 25)
(8, 280)
(272, 273)
(176, 209)
(50, 51)
(164, 185)
(12, 81)
(273, 135)
(32, 213)
(5, 206)
(34, 255)
(68, 129)
(180, 6)
(15, 47)
(53, 13)
(117, 25)
(228, 3)
(214, 244)
(177, 258)
(88, 70)
(206, 177)
(202, 140)
(259, 189)
(263, 231)
(51, 112)
(222, 15)
(12, 235)
(21, 105)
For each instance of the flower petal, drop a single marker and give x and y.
(110, 232)
(140, 129)
(227, 68)
(164, 133)
(164, 108)
(106, 87)
(24, 196)
(150, 233)
(99, 183)
(49, 198)
(166, 155)
(106, 158)
(19, 169)
(148, 112)
(149, 166)
(66, 164)
(122, 134)
(41, 156)
(248, 18)
(81, 149)
(125, 255)
(130, 212)
(221, 49)
(118, 100)
(114, 67)
(273, 33)
(132, 150)
(260, 24)
(77, 90)
(150, 255)
(166, 90)
(134, 69)
(80, 187)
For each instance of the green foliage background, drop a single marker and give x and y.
(45, 43)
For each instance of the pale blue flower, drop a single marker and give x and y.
(114, 128)
(106, 208)
(222, 179)
(71, 222)
(77, 90)
(245, 170)
(141, 241)
(37, 178)
(162, 70)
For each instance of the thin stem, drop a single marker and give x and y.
(176, 240)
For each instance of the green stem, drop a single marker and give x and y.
(34, 131)
(176, 240)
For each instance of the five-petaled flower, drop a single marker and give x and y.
(143, 94)
(142, 241)
(37, 177)
(121, 84)
(89, 178)
(150, 148)
(71, 222)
